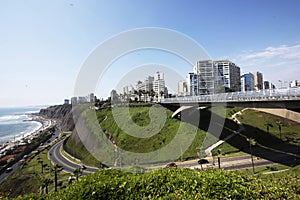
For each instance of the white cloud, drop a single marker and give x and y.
(283, 51)
(281, 62)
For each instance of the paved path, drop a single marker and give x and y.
(69, 166)
(240, 129)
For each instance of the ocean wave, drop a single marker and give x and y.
(13, 127)
(12, 119)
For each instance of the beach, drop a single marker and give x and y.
(11, 123)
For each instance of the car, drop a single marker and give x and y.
(82, 167)
(202, 161)
(172, 164)
(9, 169)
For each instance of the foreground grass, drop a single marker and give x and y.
(177, 183)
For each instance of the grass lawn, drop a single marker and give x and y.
(256, 124)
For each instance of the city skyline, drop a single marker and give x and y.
(41, 53)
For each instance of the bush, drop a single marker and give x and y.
(178, 183)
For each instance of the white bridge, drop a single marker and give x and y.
(286, 94)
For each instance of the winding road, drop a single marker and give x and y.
(56, 157)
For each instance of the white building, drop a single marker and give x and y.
(294, 83)
(159, 84)
(182, 88)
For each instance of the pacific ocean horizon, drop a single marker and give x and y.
(15, 123)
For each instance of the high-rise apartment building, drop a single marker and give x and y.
(159, 84)
(227, 74)
(247, 82)
(205, 69)
(193, 84)
(148, 83)
(217, 76)
(258, 80)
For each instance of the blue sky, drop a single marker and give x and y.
(43, 44)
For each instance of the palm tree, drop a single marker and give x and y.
(46, 183)
(279, 124)
(252, 142)
(152, 94)
(161, 93)
(219, 159)
(268, 125)
(57, 168)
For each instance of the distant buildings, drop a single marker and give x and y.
(212, 77)
(247, 82)
(294, 83)
(66, 101)
(152, 88)
(91, 98)
(258, 81)
(74, 100)
(182, 88)
(114, 96)
(266, 85)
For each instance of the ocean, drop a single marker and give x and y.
(14, 124)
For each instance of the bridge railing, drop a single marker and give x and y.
(260, 95)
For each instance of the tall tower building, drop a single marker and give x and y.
(205, 69)
(148, 83)
(193, 86)
(258, 80)
(159, 84)
(227, 74)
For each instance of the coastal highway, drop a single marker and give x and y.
(55, 135)
(57, 158)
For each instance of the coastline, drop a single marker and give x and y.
(28, 137)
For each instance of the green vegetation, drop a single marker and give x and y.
(178, 183)
(151, 123)
(289, 130)
(270, 132)
(31, 175)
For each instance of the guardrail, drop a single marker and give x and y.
(261, 95)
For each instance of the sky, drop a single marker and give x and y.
(44, 44)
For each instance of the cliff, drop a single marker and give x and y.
(61, 113)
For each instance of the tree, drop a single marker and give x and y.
(252, 142)
(152, 94)
(279, 124)
(268, 125)
(46, 183)
(161, 93)
(57, 168)
(219, 159)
